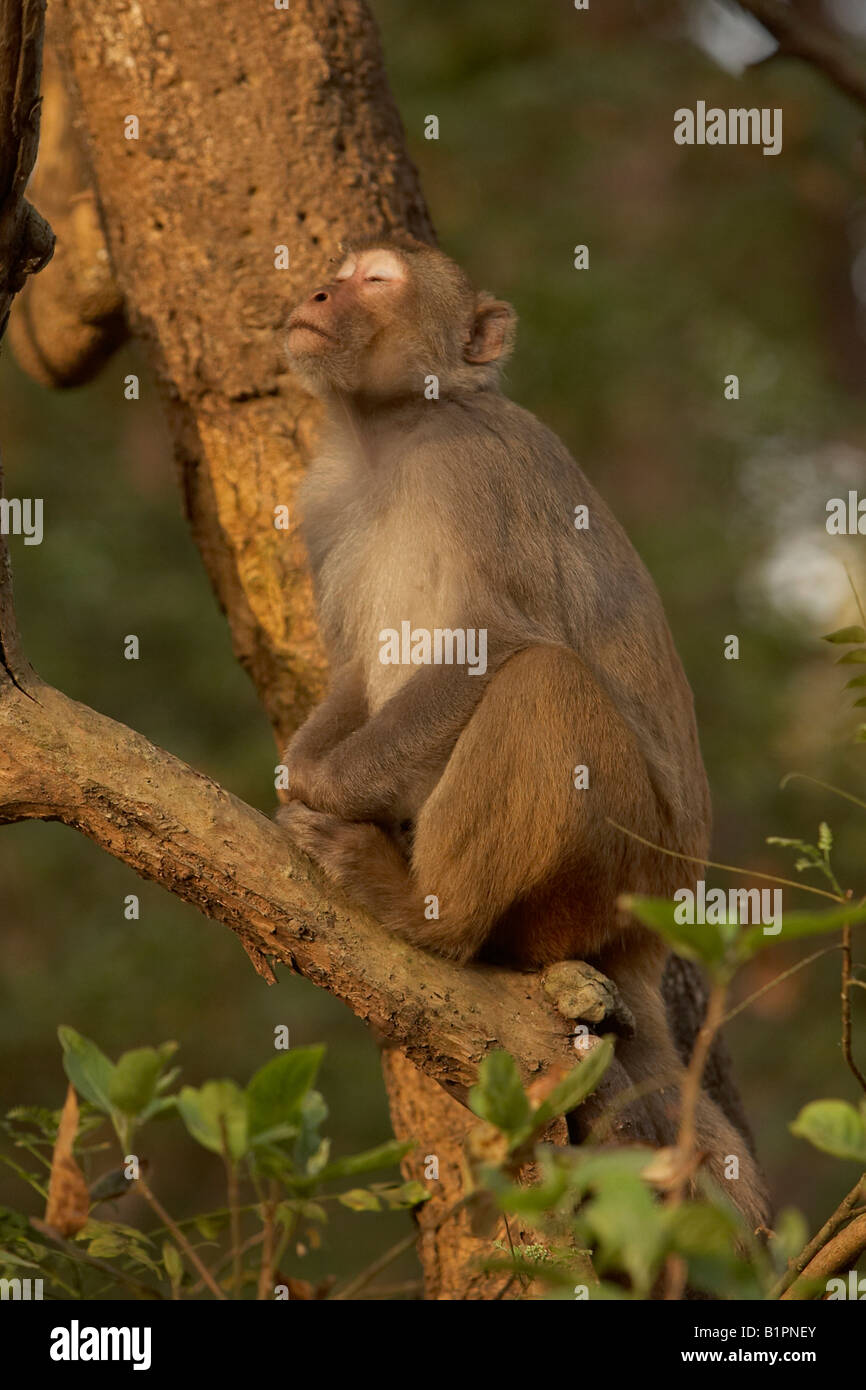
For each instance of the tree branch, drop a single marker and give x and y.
(70, 319)
(26, 240)
(61, 761)
(799, 38)
(840, 1253)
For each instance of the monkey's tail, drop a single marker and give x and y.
(653, 1065)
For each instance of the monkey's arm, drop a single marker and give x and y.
(343, 709)
(384, 770)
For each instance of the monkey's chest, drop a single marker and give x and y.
(398, 597)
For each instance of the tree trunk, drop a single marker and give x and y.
(256, 129)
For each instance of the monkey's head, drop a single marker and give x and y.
(395, 313)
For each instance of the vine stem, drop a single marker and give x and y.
(180, 1238)
(728, 868)
(847, 1052)
(676, 1271)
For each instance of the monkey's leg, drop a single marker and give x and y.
(343, 710)
(384, 769)
(508, 855)
(499, 841)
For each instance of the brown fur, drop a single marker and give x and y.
(411, 782)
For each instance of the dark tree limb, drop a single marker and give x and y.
(801, 38)
(26, 240)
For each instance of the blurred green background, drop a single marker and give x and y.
(556, 128)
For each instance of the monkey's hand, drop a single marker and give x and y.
(583, 995)
(302, 779)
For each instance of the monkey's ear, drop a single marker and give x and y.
(491, 337)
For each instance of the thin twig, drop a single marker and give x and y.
(81, 1257)
(728, 868)
(811, 43)
(826, 1233)
(249, 1244)
(676, 1271)
(842, 1252)
(827, 786)
(777, 980)
(234, 1202)
(266, 1269)
(180, 1239)
(375, 1268)
(847, 1052)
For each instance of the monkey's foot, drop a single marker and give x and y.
(582, 994)
(340, 847)
(315, 832)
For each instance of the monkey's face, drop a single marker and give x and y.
(393, 316)
(343, 334)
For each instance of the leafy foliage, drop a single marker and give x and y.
(268, 1136)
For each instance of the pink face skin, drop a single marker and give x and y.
(361, 282)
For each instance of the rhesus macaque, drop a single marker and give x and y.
(444, 796)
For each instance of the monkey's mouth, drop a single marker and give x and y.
(308, 327)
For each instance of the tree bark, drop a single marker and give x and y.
(61, 761)
(256, 129)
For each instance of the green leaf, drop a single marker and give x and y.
(88, 1069)
(855, 680)
(857, 657)
(381, 1157)
(312, 1211)
(846, 634)
(398, 1196)
(219, 1106)
(160, 1105)
(810, 850)
(360, 1199)
(172, 1262)
(791, 1234)
(697, 1228)
(568, 1093)
(133, 1082)
(630, 1228)
(834, 1127)
(499, 1097)
(797, 924)
(701, 941)
(210, 1224)
(276, 1092)
(168, 1078)
(309, 1147)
